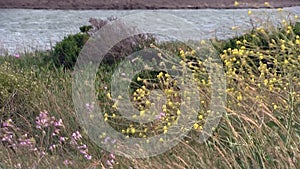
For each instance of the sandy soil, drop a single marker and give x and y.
(142, 4)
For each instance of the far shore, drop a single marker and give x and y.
(144, 4)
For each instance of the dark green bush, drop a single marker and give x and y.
(86, 28)
(297, 28)
(66, 52)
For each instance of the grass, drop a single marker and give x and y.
(260, 129)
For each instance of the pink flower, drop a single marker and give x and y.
(58, 123)
(109, 163)
(76, 136)
(42, 120)
(161, 115)
(62, 139)
(88, 157)
(66, 162)
(17, 55)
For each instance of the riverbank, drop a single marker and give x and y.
(144, 4)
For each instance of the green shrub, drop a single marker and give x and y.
(297, 28)
(86, 28)
(66, 52)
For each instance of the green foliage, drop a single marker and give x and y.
(85, 28)
(66, 52)
(296, 28)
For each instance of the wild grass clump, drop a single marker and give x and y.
(260, 128)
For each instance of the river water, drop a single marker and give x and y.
(23, 30)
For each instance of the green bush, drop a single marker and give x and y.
(66, 52)
(296, 28)
(86, 28)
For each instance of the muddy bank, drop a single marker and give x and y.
(142, 4)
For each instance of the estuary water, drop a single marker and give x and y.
(25, 30)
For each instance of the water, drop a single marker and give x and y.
(28, 30)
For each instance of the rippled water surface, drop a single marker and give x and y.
(26, 30)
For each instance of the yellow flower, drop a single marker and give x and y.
(105, 117)
(235, 52)
(282, 41)
(196, 125)
(144, 88)
(148, 103)
(261, 56)
(160, 75)
(200, 117)
(139, 79)
(266, 82)
(182, 54)
(142, 113)
(132, 130)
(168, 91)
(115, 105)
(92, 116)
(170, 104)
(240, 97)
(193, 52)
(108, 95)
(167, 75)
(275, 106)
